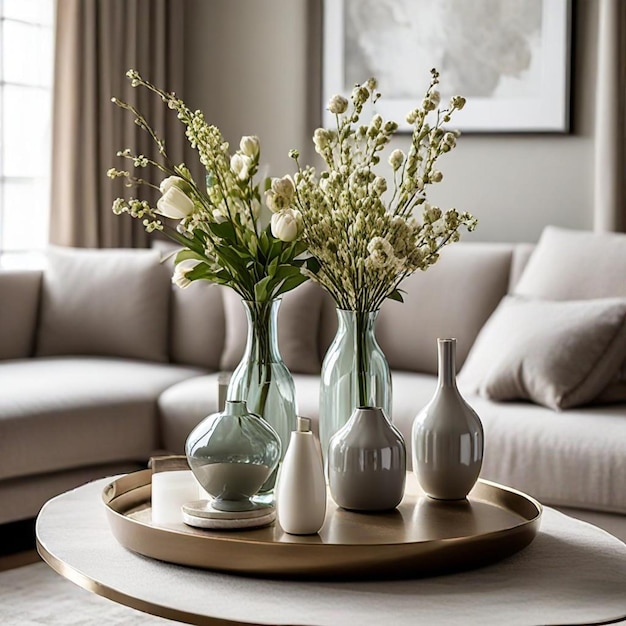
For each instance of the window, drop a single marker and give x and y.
(26, 71)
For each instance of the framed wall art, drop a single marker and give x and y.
(509, 58)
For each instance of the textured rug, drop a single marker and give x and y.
(35, 595)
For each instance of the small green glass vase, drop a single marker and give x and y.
(232, 454)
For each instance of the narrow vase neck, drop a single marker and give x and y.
(237, 408)
(360, 325)
(262, 339)
(447, 362)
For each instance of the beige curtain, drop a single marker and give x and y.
(610, 134)
(97, 41)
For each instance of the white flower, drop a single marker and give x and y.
(287, 225)
(396, 158)
(337, 105)
(175, 204)
(219, 217)
(320, 139)
(181, 270)
(458, 102)
(250, 145)
(271, 201)
(380, 185)
(172, 181)
(283, 187)
(240, 165)
(436, 176)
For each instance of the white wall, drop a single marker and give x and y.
(253, 67)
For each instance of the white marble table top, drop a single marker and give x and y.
(572, 573)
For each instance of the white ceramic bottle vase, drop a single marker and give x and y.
(301, 488)
(447, 436)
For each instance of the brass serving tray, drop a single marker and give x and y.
(421, 537)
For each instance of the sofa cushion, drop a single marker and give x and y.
(453, 298)
(61, 413)
(197, 326)
(19, 295)
(104, 302)
(298, 328)
(558, 354)
(576, 265)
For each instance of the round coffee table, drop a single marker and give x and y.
(572, 573)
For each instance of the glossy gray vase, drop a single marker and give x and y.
(447, 436)
(367, 462)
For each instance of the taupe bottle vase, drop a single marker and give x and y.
(447, 436)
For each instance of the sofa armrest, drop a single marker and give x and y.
(19, 305)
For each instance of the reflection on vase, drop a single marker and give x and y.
(354, 373)
(262, 379)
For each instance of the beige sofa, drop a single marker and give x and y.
(103, 363)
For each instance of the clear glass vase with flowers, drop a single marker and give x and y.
(223, 240)
(365, 235)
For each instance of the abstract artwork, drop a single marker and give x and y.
(509, 58)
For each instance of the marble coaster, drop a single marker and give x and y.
(201, 514)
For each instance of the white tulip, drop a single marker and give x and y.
(181, 270)
(240, 165)
(250, 145)
(283, 187)
(287, 225)
(173, 181)
(175, 204)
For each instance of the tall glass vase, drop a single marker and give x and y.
(355, 373)
(262, 379)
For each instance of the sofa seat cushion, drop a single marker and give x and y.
(575, 458)
(68, 412)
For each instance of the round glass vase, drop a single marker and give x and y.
(263, 381)
(355, 373)
(232, 454)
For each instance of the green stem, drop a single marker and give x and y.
(362, 357)
(262, 312)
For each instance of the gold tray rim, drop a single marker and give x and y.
(183, 548)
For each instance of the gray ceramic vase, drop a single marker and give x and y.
(367, 462)
(447, 436)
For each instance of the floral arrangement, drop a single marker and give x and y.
(218, 225)
(363, 233)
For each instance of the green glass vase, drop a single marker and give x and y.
(262, 379)
(232, 454)
(355, 373)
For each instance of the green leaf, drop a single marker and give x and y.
(291, 283)
(185, 255)
(261, 289)
(396, 295)
(313, 265)
(225, 230)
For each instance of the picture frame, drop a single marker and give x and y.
(512, 65)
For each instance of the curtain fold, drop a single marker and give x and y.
(97, 41)
(610, 119)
